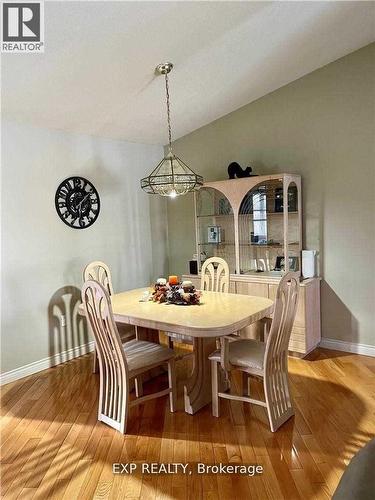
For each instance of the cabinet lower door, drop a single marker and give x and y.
(254, 331)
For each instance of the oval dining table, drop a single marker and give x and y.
(218, 314)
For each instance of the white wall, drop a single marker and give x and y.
(40, 254)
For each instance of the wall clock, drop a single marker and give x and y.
(77, 202)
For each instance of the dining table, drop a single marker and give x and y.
(218, 314)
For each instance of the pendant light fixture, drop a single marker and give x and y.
(171, 177)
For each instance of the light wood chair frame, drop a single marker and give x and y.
(100, 272)
(278, 402)
(215, 275)
(114, 402)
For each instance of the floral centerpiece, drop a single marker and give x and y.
(175, 292)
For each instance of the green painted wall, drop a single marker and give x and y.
(322, 127)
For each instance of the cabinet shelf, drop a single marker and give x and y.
(214, 215)
(256, 245)
(270, 214)
(219, 243)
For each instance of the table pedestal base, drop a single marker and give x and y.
(197, 391)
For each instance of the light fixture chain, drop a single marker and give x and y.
(168, 112)
(171, 177)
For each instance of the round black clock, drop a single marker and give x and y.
(77, 202)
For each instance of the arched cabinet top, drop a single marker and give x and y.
(210, 201)
(235, 190)
(254, 223)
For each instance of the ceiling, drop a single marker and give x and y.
(97, 73)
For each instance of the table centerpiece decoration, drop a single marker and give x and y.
(175, 292)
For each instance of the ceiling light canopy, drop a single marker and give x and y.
(171, 177)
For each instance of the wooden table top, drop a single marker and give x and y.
(218, 314)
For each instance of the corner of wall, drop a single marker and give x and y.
(159, 236)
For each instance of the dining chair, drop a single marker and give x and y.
(99, 271)
(215, 275)
(267, 360)
(119, 362)
(214, 278)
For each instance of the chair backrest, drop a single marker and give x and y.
(112, 360)
(283, 319)
(99, 271)
(215, 275)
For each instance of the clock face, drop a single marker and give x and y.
(77, 202)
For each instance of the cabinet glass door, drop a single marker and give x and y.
(261, 229)
(215, 227)
(293, 229)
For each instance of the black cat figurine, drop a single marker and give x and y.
(235, 170)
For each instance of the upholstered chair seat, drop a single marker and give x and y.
(141, 354)
(245, 353)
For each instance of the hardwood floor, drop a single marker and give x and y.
(53, 446)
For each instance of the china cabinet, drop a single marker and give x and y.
(255, 224)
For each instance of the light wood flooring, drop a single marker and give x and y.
(53, 446)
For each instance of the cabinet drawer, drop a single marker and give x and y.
(301, 308)
(298, 332)
(300, 320)
(196, 282)
(272, 289)
(257, 289)
(297, 345)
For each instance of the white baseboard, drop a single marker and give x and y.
(75, 352)
(43, 364)
(340, 345)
